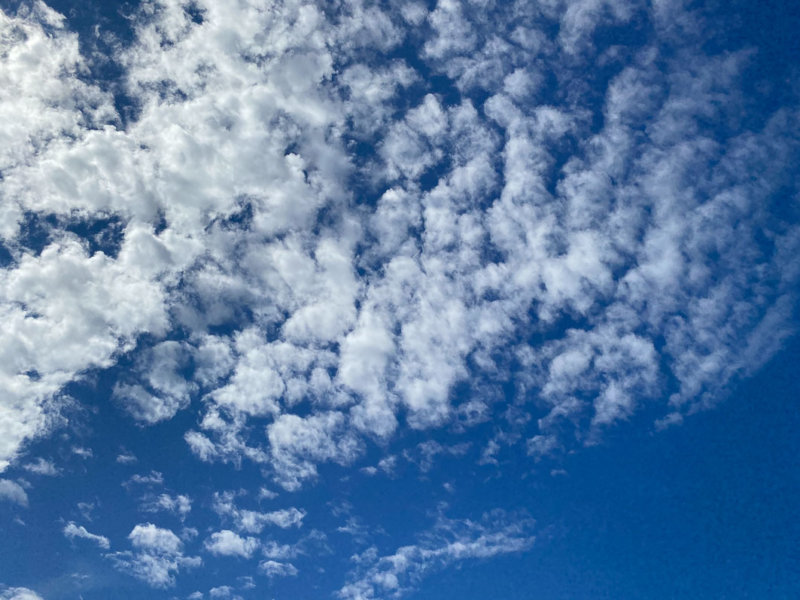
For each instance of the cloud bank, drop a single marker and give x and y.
(297, 229)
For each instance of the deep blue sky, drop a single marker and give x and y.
(380, 300)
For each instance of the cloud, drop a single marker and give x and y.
(223, 591)
(155, 478)
(126, 458)
(272, 569)
(251, 521)
(165, 391)
(82, 452)
(598, 245)
(228, 543)
(72, 531)
(297, 444)
(157, 556)
(150, 537)
(179, 504)
(13, 492)
(18, 593)
(449, 542)
(41, 467)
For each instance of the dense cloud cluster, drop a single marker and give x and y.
(313, 221)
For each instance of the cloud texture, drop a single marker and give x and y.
(323, 227)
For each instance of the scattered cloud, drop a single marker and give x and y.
(322, 255)
(153, 478)
(42, 467)
(126, 458)
(449, 542)
(13, 492)
(82, 452)
(228, 543)
(273, 568)
(252, 521)
(157, 556)
(72, 531)
(180, 504)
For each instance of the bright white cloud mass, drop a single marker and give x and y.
(312, 241)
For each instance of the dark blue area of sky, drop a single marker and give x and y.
(704, 510)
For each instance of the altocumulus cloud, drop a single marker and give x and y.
(644, 239)
(304, 236)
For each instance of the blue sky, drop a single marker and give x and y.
(373, 300)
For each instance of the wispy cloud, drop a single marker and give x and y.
(72, 531)
(13, 492)
(449, 542)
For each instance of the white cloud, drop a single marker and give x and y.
(82, 452)
(165, 389)
(273, 568)
(18, 593)
(624, 237)
(42, 467)
(450, 542)
(251, 521)
(42, 98)
(223, 591)
(150, 537)
(297, 444)
(155, 478)
(157, 556)
(179, 504)
(228, 543)
(126, 458)
(72, 531)
(13, 492)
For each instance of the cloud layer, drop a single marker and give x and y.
(321, 229)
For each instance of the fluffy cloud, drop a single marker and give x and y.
(157, 556)
(228, 543)
(599, 244)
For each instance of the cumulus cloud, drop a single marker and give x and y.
(157, 556)
(228, 543)
(72, 531)
(611, 243)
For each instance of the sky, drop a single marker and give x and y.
(359, 300)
